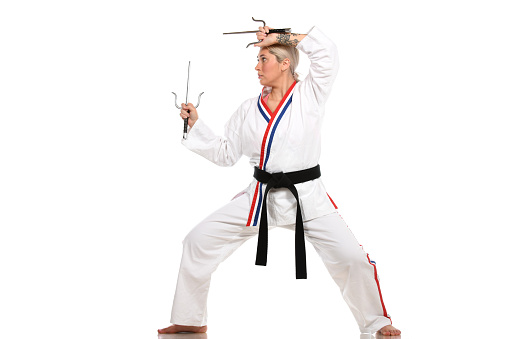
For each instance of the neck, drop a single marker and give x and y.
(279, 90)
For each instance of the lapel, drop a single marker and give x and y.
(272, 119)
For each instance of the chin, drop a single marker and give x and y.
(263, 82)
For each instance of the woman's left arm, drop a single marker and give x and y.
(321, 51)
(324, 57)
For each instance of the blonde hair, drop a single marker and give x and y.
(282, 52)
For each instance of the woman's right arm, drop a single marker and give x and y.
(223, 150)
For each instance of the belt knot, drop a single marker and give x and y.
(280, 180)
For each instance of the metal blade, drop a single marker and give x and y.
(187, 89)
(242, 32)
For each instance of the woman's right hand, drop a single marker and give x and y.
(265, 39)
(192, 115)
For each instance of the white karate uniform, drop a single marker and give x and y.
(285, 141)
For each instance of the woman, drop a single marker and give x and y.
(280, 132)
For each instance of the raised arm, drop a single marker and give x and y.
(323, 54)
(288, 39)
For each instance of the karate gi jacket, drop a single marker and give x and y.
(289, 141)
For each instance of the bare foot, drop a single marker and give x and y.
(389, 330)
(182, 328)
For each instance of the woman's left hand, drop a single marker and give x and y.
(266, 39)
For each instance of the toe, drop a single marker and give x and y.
(165, 330)
(389, 331)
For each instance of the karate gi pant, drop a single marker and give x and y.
(220, 234)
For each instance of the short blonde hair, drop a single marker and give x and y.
(282, 52)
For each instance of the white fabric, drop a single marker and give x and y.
(219, 235)
(297, 142)
(295, 146)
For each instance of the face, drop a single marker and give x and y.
(269, 70)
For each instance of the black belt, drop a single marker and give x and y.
(288, 180)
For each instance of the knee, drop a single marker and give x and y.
(349, 258)
(195, 237)
(196, 260)
(356, 258)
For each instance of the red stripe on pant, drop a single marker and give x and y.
(332, 201)
(379, 290)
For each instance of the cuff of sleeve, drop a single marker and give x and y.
(191, 131)
(199, 133)
(195, 127)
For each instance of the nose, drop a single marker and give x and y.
(257, 67)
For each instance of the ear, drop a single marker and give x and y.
(286, 64)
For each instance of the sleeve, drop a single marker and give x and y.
(323, 54)
(223, 150)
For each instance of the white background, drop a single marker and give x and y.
(97, 193)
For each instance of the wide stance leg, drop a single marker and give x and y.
(205, 247)
(351, 269)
